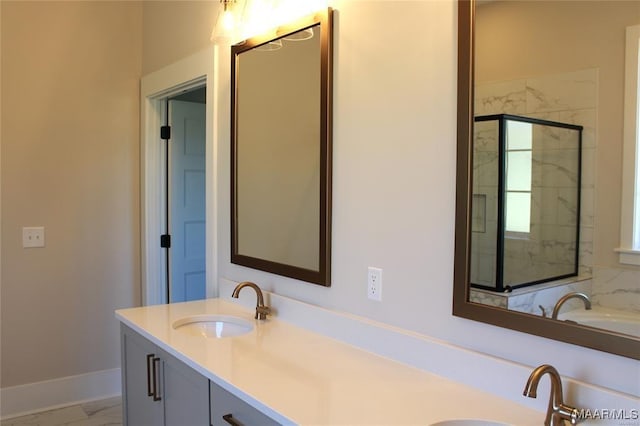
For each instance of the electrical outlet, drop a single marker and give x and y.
(374, 284)
(33, 236)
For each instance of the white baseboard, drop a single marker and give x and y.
(34, 397)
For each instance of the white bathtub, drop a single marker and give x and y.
(610, 319)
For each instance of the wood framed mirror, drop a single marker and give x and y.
(281, 133)
(596, 338)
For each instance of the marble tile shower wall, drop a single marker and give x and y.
(616, 288)
(484, 208)
(570, 97)
(567, 98)
(549, 250)
(533, 302)
(538, 300)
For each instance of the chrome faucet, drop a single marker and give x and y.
(557, 411)
(560, 302)
(261, 310)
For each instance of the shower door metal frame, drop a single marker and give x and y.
(501, 219)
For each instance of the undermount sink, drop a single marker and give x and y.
(469, 422)
(213, 326)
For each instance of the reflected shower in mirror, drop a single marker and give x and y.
(530, 67)
(281, 151)
(526, 201)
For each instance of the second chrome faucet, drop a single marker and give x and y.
(261, 310)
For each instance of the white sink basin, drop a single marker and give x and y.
(469, 422)
(213, 326)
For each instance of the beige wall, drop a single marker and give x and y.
(175, 29)
(70, 88)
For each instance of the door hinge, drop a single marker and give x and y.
(165, 132)
(165, 241)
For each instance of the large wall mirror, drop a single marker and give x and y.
(540, 102)
(281, 150)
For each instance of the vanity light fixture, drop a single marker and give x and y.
(262, 16)
(270, 46)
(225, 24)
(227, 19)
(300, 35)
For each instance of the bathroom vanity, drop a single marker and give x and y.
(274, 372)
(159, 389)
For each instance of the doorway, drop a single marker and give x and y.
(184, 193)
(158, 91)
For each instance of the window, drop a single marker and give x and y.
(630, 217)
(519, 144)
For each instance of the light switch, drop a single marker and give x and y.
(33, 236)
(374, 283)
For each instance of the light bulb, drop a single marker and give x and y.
(228, 21)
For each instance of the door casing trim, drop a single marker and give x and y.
(192, 71)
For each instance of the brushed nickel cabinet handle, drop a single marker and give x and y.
(149, 361)
(229, 419)
(155, 370)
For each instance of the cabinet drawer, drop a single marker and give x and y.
(223, 404)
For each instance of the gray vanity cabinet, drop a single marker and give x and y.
(157, 388)
(186, 394)
(227, 409)
(139, 408)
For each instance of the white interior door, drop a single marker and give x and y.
(187, 207)
(170, 81)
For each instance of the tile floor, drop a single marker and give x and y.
(97, 413)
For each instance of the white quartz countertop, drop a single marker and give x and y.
(299, 377)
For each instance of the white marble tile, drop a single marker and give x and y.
(485, 169)
(587, 201)
(103, 413)
(558, 168)
(57, 417)
(562, 92)
(508, 97)
(97, 413)
(483, 269)
(551, 138)
(485, 242)
(486, 298)
(543, 204)
(588, 167)
(485, 134)
(104, 406)
(567, 206)
(585, 261)
(547, 298)
(617, 288)
(587, 118)
(98, 421)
